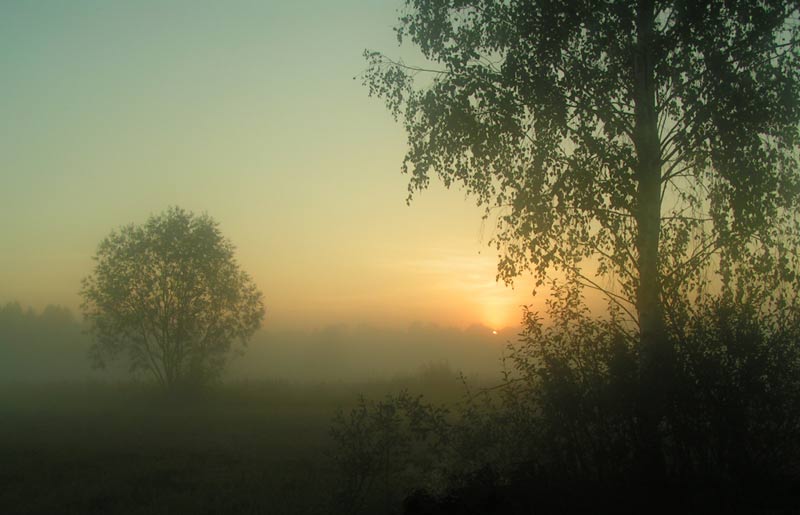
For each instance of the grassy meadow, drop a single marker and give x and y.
(244, 447)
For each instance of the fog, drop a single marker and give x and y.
(51, 345)
(42, 346)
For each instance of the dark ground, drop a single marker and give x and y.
(83, 448)
(265, 448)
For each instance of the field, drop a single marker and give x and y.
(125, 448)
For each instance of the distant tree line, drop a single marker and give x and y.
(42, 345)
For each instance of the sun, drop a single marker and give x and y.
(494, 331)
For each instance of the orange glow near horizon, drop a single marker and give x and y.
(442, 286)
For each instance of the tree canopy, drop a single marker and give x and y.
(649, 139)
(170, 295)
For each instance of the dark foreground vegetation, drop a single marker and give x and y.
(566, 430)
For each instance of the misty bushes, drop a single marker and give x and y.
(567, 419)
(736, 404)
(384, 448)
(732, 411)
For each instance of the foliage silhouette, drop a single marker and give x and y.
(383, 447)
(656, 139)
(171, 296)
(561, 433)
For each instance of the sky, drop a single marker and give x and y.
(250, 111)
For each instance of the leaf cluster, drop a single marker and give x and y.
(529, 106)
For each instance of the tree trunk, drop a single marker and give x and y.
(648, 209)
(654, 347)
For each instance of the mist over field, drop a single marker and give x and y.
(258, 439)
(52, 345)
(342, 353)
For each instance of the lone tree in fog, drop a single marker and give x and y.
(171, 296)
(655, 138)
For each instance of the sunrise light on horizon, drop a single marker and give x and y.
(221, 113)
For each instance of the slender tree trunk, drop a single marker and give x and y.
(655, 361)
(648, 209)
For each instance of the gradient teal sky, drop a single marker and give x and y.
(111, 111)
